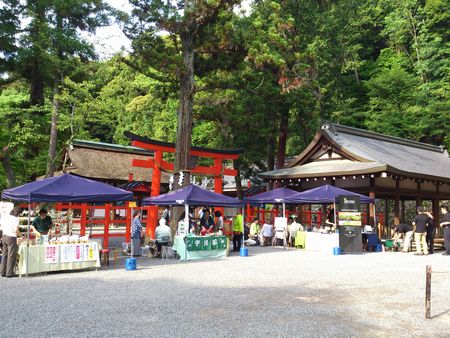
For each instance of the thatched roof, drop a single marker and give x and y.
(110, 162)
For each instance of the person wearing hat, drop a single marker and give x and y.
(43, 223)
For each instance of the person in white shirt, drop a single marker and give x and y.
(10, 227)
(163, 234)
(294, 227)
(266, 233)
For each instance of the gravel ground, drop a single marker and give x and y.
(272, 293)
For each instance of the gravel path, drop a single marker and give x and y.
(271, 293)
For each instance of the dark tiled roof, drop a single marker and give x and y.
(401, 154)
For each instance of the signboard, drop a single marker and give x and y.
(182, 229)
(280, 223)
(206, 243)
(71, 253)
(349, 218)
(349, 203)
(51, 253)
(132, 204)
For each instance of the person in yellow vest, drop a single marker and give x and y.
(238, 230)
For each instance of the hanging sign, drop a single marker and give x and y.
(349, 203)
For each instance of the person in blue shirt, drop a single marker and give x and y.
(136, 233)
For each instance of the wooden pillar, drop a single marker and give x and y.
(418, 197)
(83, 219)
(106, 226)
(372, 205)
(435, 206)
(402, 219)
(152, 217)
(371, 210)
(397, 200)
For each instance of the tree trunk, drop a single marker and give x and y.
(282, 138)
(36, 85)
(182, 161)
(53, 131)
(271, 157)
(238, 180)
(7, 167)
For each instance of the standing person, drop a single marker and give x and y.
(136, 233)
(43, 223)
(431, 232)
(445, 223)
(10, 228)
(403, 229)
(421, 221)
(238, 230)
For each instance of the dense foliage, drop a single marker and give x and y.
(264, 80)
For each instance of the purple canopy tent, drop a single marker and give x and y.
(275, 196)
(64, 188)
(193, 195)
(325, 194)
(67, 188)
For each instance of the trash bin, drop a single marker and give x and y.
(130, 264)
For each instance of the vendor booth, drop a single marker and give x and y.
(188, 246)
(67, 252)
(348, 232)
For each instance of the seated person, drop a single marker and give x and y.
(405, 231)
(247, 240)
(255, 230)
(163, 234)
(206, 223)
(218, 226)
(43, 223)
(266, 233)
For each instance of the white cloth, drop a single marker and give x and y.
(267, 230)
(294, 227)
(10, 225)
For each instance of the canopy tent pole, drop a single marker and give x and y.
(243, 226)
(284, 210)
(186, 224)
(335, 220)
(91, 219)
(28, 235)
(132, 219)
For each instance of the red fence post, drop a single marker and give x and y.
(83, 219)
(106, 228)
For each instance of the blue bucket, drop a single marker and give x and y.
(243, 252)
(336, 251)
(130, 264)
(378, 248)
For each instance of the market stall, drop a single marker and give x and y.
(327, 240)
(68, 253)
(187, 246)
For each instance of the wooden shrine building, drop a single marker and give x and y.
(111, 163)
(391, 169)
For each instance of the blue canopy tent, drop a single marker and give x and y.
(275, 196)
(64, 188)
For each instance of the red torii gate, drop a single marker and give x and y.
(157, 164)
